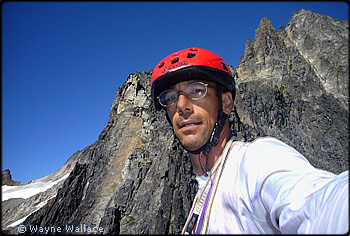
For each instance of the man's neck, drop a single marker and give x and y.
(214, 153)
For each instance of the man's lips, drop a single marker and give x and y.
(188, 124)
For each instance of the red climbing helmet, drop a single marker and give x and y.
(189, 64)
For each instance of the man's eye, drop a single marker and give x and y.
(197, 91)
(170, 97)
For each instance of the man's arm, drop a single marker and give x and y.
(315, 203)
(284, 188)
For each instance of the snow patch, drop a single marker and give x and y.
(29, 190)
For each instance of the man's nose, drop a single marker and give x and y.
(183, 103)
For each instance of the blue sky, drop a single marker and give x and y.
(62, 63)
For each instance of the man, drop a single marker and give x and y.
(261, 187)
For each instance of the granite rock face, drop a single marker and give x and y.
(137, 179)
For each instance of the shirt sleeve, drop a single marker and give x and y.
(297, 198)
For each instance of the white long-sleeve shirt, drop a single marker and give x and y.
(268, 187)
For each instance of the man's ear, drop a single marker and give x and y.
(227, 102)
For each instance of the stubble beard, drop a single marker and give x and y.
(193, 141)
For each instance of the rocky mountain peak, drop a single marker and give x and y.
(264, 29)
(260, 57)
(6, 179)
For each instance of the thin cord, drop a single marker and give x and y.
(200, 160)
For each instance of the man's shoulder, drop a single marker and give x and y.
(268, 143)
(267, 139)
(271, 152)
(257, 143)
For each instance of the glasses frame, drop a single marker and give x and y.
(187, 95)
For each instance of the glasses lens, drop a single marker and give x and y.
(196, 90)
(168, 97)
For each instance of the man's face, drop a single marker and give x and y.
(194, 120)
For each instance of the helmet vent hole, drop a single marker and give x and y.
(223, 65)
(160, 66)
(190, 55)
(175, 60)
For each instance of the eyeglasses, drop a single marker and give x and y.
(195, 91)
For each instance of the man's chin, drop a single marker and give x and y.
(191, 145)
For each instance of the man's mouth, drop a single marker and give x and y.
(188, 124)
